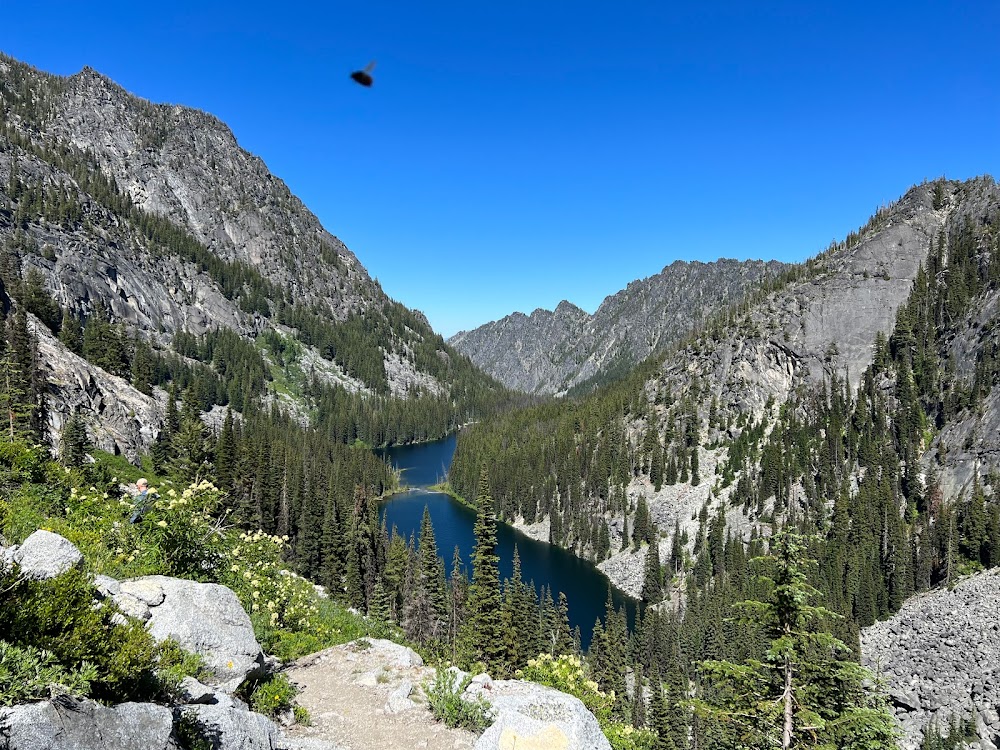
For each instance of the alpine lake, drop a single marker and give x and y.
(544, 564)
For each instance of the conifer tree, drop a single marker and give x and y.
(71, 332)
(652, 586)
(807, 691)
(424, 616)
(638, 700)
(482, 637)
(459, 589)
(74, 441)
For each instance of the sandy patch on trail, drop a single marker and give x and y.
(370, 698)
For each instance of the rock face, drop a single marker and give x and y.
(970, 447)
(535, 717)
(66, 723)
(46, 555)
(168, 225)
(940, 657)
(550, 352)
(119, 418)
(205, 618)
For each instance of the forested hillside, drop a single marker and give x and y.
(151, 221)
(772, 416)
(165, 297)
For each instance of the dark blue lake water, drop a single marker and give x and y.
(586, 588)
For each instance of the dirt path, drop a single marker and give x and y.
(370, 699)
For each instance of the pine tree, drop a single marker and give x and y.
(638, 700)
(459, 589)
(652, 586)
(74, 441)
(482, 637)
(424, 616)
(71, 332)
(807, 691)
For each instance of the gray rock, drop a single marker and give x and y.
(399, 699)
(67, 723)
(145, 590)
(232, 728)
(46, 555)
(131, 606)
(192, 691)
(929, 680)
(7, 557)
(535, 716)
(209, 620)
(106, 585)
(551, 351)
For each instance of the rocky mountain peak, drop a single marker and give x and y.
(551, 352)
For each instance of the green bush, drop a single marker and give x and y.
(447, 704)
(272, 696)
(174, 663)
(59, 616)
(26, 674)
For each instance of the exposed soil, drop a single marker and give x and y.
(358, 699)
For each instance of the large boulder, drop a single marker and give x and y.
(533, 717)
(205, 618)
(66, 723)
(46, 555)
(232, 728)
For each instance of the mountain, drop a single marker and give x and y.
(553, 352)
(854, 399)
(153, 219)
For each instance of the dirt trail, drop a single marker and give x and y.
(370, 699)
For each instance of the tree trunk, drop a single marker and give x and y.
(786, 734)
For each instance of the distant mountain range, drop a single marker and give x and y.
(552, 352)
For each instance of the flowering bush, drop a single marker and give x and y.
(252, 568)
(183, 533)
(570, 675)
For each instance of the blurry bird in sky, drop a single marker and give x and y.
(364, 77)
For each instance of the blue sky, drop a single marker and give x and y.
(514, 154)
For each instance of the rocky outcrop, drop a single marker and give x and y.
(551, 351)
(204, 618)
(46, 555)
(968, 447)
(119, 418)
(532, 716)
(66, 723)
(939, 657)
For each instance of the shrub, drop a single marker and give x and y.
(26, 674)
(59, 616)
(173, 664)
(448, 705)
(271, 696)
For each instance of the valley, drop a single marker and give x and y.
(171, 308)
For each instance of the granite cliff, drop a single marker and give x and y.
(154, 216)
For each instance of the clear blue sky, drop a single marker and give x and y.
(513, 154)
